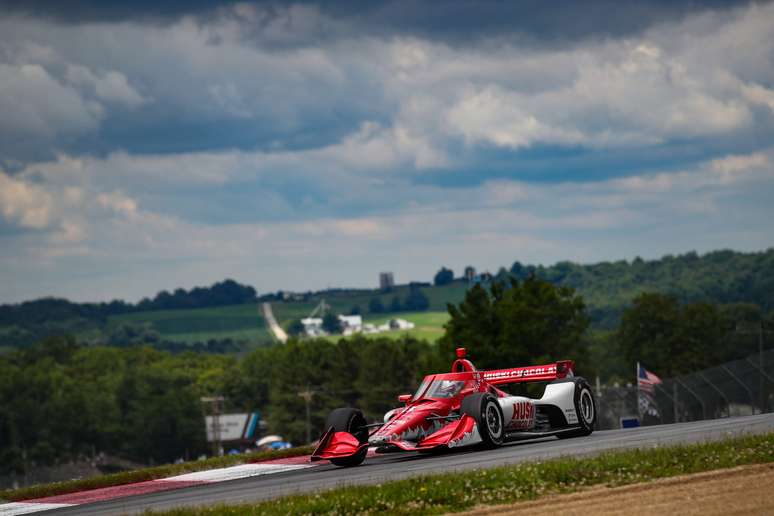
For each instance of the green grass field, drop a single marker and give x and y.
(245, 322)
(238, 322)
(429, 325)
(344, 302)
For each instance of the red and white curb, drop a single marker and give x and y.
(162, 484)
(28, 507)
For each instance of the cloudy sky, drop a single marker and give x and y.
(305, 145)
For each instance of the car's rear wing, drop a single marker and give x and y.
(540, 373)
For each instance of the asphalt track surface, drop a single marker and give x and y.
(402, 465)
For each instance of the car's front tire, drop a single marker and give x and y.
(352, 421)
(486, 411)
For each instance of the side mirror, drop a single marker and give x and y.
(404, 398)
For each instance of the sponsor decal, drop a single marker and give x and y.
(523, 415)
(524, 372)
(476, 381)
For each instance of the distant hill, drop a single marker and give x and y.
(716, 277)
(216, 317)
(25, 323)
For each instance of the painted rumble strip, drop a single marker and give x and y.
(12, 509)
(153, 486)
(109, 493)
(235, 472)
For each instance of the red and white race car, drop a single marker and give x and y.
(465, 408)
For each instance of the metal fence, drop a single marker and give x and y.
(736, 388)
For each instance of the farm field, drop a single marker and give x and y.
(238, 322)
(429, 326)
(245, 322)
(343, 302)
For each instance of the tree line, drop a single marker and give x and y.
(25, 323)
(718, 277)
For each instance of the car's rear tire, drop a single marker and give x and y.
(486, 411)
(585, 408)
(352, 421)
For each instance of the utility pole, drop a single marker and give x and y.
(307, 395)
(215, 401)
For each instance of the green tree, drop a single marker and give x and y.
(375, 306)
(648, 331)
(296, 328)
(527, 323)
(387, 369)
(416, 300)
(331, 323)
(671, 339)
(299, 366)
(443, 277)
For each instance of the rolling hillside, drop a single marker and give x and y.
(237, 322)
(607, 287)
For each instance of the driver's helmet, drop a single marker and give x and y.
(450, 387)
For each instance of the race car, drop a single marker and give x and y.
(465, 408)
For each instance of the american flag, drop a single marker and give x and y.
(647, 381)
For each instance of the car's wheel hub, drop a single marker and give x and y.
(493, 421)
(587, 406)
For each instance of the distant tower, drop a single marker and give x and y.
(470, 273)
(386, 281)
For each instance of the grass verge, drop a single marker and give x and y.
(453, 492)
(141, 475)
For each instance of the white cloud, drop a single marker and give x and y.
(36, 105)
(118, 203)
(109, 86)
(24, 203)
(496, 117)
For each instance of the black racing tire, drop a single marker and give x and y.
(484, 408)
(585, 408)
(349, 420)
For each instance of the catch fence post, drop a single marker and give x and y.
(674, 400)
(728, 403)
(762, 374)
(698, 398)
(675, 408)
(744, 385)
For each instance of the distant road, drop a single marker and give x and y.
(275, 328)
(403, 465)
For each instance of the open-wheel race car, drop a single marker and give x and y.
(464, 408)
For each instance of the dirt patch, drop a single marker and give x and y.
(742, 490)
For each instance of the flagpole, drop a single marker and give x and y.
(637, 381)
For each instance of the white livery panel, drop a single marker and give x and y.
(561, 395)
(518, 412)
